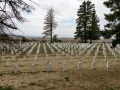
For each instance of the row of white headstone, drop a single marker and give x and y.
(112, 51)
(79, 66)
(54, 45)
(38, 49)
(51, 49)
(31, 50)
(44, 47)
(72, 51)
(68, 47)
(16, 68)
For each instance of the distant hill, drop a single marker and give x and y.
(47, 39)
(65, 39)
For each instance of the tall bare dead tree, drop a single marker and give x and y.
(10, 10)
(50, 24)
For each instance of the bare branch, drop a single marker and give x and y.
(10, 10)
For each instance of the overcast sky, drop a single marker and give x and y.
(65, 11)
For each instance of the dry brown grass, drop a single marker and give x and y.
(73, 79)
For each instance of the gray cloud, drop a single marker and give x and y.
(64, 10)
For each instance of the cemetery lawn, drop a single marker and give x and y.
(87, 78)
(69, 80)
(73, 79)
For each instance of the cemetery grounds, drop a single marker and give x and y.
(72, 66)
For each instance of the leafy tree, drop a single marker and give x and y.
(50, 24)
(10, 10)
(87, 22)
(55, 39)
(113, 18)
(24, 39)
(59, 40)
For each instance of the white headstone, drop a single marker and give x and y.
(83, 59)
(2, 60)
(72, 52)
(22, 63)
(71, 60)
(12, 52)
(24, 58)
(16, 69)
(69, 51)
(76, 52)
(59, 60)
(33, 68)
(77, 56)
(116, 58)
(67, 56)
(36, 57)
(79, 65)
(63, 53)
(114, 54)
(94, 58)
(64, 67)
(49, 67)
(108, 65)
(35, 61)
(7, 63)
(14, 58)
(93, 65)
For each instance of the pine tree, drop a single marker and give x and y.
(106, 33)
(113, 19)
(94, 31)
(84, 21)
(50, 24)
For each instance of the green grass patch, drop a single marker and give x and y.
(6, 88)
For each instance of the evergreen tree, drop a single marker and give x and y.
(87, 22)
(113, 18)
(50, 24)
(94, 31)
(106, 33)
